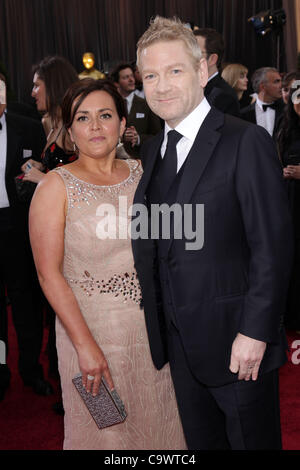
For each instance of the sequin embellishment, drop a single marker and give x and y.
(126, 284)
(80, 192)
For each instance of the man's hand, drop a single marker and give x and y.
(292, 172)
(246, 356)
(131, 135)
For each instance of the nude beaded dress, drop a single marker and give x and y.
(102, 276)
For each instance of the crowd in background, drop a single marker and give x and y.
(36, 143)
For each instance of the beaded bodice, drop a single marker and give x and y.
(98, 257)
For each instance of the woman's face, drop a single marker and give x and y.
(96, 126)
(39, 93)
(242, 82)
(286, 91)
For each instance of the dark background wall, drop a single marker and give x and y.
(32, 29)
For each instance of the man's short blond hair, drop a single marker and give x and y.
(169, 29)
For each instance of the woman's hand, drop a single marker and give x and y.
(34, 175)
(92, 363)
(35, 164)
(292, 172)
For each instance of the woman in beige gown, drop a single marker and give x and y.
(91, 282)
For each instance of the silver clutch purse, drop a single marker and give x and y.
(106, 408)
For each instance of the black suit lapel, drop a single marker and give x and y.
(210, 85)
(204, 145)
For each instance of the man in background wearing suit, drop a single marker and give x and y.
(268, 108)
(217, 91)
(20, 138)
(141, 122)
(214, 305)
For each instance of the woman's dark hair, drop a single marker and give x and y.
(288, 78)
(58, 74)
(81, 90)
(291, 120)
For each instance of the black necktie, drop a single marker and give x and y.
(0, 126)
(168, 168)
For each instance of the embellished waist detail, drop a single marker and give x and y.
(126, 285)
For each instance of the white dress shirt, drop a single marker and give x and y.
(189, 129)
(129, 100)
(266, 118)
(140, 93)
(4, 202)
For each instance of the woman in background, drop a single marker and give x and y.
(52, 77)
(287, 82)
(236, 75)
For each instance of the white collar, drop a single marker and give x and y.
(130, 97)
(213, 76)
(2, 118)
(260, 103)
(190, 126)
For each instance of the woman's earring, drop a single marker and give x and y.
(119, 141)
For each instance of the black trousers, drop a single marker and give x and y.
(17, 273)
(238, 416)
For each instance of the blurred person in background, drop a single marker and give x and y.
(287, 81)
(236, 75)
(289, 149)
(20, 138)
(52, 77)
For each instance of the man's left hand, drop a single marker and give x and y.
(246, 356)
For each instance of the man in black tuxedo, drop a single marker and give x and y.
(214, 305)
(141, 122)
(20, 138)
(217, 91)
(268, 109)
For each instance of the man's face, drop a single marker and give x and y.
(126, 81)
(272, 87)
(173, 87)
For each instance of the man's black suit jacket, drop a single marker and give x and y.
(249, 114)
(238, 281)
(22, 134)
(222, 96)
(145, 121)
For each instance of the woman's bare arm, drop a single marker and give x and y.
(46, 226)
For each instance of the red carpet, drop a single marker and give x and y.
(27, 421)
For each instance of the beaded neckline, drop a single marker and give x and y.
(130, 166)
